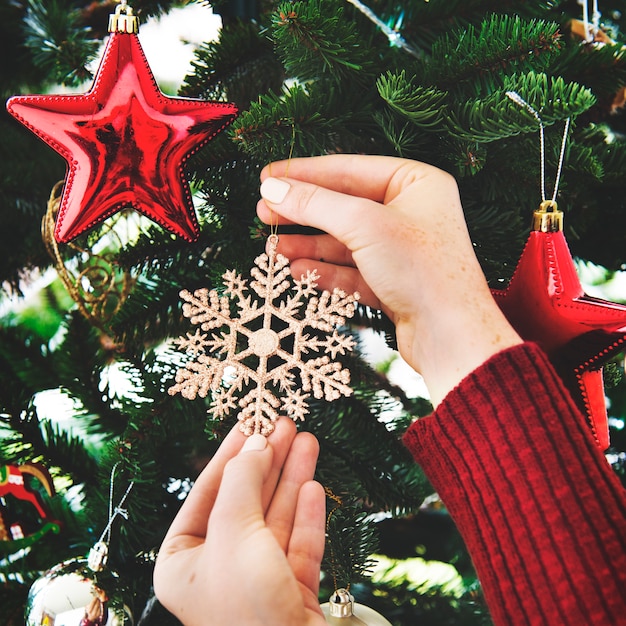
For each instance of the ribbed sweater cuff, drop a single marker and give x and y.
(534, 498)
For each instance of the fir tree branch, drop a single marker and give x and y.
(293, 123)
(237, 67)
(315, 41)
(601, 69)
(475, 59)
(424, 106)
(496, 116)
(57, 42)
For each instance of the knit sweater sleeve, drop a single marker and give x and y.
(540, 509)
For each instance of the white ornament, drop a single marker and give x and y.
(256, 354)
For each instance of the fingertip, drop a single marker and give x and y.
(311, 441)
(312, 507)
(254, 443)
(274, 190)
(316, 492)
(283, 425)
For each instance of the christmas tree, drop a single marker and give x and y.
(90, 321)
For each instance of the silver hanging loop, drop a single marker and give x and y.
(548, 218)
(394, 37)
(99, 554)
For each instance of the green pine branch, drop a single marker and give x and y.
(315, 41)
(474, 59)
(424, 105)
(293, 123)
(237, 67)
(497, 116)
(614, 163)
(601, 68)
(59, 45)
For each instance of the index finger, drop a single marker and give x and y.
(193, 515)
(361, 175)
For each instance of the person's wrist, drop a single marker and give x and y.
(449, 344)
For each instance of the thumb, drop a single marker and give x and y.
(239, 500)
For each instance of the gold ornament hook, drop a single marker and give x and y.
(98, 284)
(123, 20)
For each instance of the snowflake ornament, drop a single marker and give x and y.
(249, 362)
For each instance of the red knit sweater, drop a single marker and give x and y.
(541, 511)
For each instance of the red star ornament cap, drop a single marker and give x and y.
(124, 141)
(546, 303)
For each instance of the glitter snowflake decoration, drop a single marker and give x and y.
(249, 361)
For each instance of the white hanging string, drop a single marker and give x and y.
(585, 7)
(595, 18)
(395, 38)
(513, 95)
(118, 510)
(591, 27)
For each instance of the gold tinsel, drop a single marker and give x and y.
(94, 280)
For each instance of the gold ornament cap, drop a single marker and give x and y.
(341, 603)
(123, 20)
(341, 610)
(548, 218)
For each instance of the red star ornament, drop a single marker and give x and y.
(545, 303)
(125, 143)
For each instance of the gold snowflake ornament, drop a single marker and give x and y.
(249, 362)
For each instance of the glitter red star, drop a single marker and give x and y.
(545, 302)
(125, 143)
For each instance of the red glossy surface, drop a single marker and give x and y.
(125, 143)
(545, 302)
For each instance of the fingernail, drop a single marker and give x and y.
(274, 190)
(253, 443)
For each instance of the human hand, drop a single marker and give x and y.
(247, 544)
(395, 232)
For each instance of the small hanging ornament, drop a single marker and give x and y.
(17, 530)
(82, 591)
(124, 141)
(588, 29)
(342, 610)
(593, 35)
(263, 346)
(71, 594)
(546, 303)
